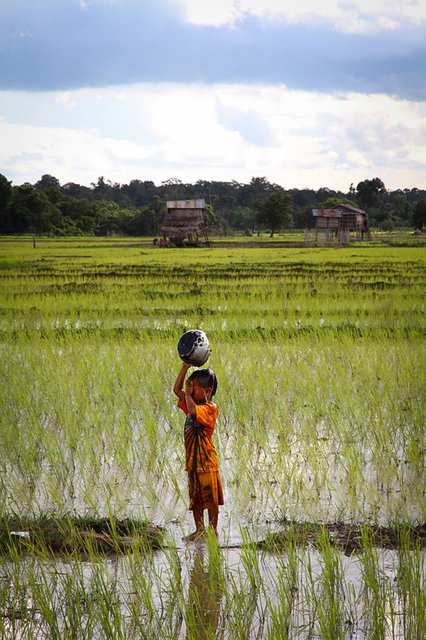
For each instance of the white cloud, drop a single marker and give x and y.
(214, 13)
(65, 98)
(29, 151)
(361, 16)
(153, 132)
(381, 131)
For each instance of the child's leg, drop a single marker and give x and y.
(213, 517)
(198, 519)
(196, 506)
(199, 525)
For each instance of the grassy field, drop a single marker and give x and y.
(320, 357)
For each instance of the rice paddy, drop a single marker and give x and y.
(320, 358)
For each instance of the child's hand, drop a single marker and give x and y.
(178, 385)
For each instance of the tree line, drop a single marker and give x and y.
(138, 208)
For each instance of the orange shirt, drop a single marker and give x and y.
(200, 452)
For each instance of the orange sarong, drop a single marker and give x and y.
(204, 483)
(205, 490)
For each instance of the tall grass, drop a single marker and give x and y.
(321, 366)
(91, 428)
(205, 592)
(331, 421)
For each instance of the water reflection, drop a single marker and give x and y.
(204, 595)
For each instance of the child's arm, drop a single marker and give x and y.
(178, 386)
(190, 404)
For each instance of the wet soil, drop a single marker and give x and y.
(110, 537)
(348, 538)
(80, 536)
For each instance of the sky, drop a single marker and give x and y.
(305, 93)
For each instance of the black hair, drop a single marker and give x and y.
(206, 377)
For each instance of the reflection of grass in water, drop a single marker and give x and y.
(411, 585)
(295, 592)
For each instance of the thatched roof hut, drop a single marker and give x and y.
(184, 224)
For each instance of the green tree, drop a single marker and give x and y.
(369, 193)
(46, 181)
(303, 218)
(223, 206)
(418, 217)
(242, 218)
(5, 196)
(77, 190)
(140, 224)
(333, 201)
(403, 208)
(274, 212)
(209, 215)
(79, 216)
(29, 211)
(257, 189)
(173, 189)
(106, 190)
(140, 193)
(387, 224)
(111, 218)
(157, 211)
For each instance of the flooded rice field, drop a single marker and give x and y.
(200, 591)
(320, 361)
(109, 442)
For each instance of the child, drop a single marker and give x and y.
(204, 484)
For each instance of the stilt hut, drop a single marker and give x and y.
(339, 222)
(184, 224)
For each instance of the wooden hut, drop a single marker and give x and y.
(340, 221)
(184, 224)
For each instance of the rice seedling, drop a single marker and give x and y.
(411, 585)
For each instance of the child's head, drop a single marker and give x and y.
(206, 378)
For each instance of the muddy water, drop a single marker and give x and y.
(259, 497)
(244, 596)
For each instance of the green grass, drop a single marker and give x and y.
(75, 535)
(296, 593)
(332, 421)
(320, 359)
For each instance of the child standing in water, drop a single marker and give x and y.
(204, 484)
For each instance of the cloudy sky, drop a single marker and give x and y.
(305, 93)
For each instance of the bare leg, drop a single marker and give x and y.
(199, 525)
(213, 518)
